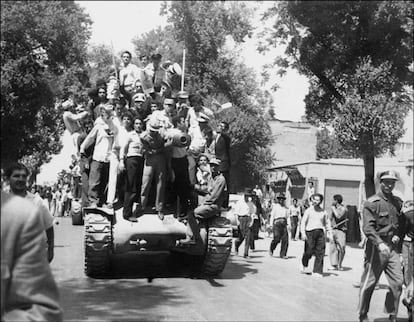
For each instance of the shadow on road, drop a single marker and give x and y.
(86, 298)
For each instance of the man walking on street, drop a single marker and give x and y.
(339, 227)
(294, 215)
(383, 227)
(313, 225)
(278, 218)
(245, 210)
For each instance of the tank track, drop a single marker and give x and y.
(98, 245)
(219, 243)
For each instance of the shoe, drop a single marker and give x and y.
(246, 256)
(332, 268)
(363, 318)
(392, 318)
(187, 241)
(356, 284)
(284, 257)
(108, 206)
(304, 270)
(340, 268)
(318, 275)
(160, 215)
(270, 253)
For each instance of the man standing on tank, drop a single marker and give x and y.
(383, 225)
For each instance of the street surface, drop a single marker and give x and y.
(259, 288)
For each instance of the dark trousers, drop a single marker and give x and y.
(133, 181)
(314, 245)
(408, 261)
(84, 165)
(374, 264)
(226, 175)
(98, 179)
(280, 234)
(245, 234)
(76, 188)
(293, 226)
(181, 185)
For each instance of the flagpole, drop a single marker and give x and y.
(183, 72)
(113, 60)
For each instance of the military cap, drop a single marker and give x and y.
(215, 161)
(390, 175)
(139, 97)
(280, 195)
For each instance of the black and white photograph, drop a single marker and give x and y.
(207, 161)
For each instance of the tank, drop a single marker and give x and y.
(108, 233)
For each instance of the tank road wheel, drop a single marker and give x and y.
(219, 241)
(76, 213)
(98, 245)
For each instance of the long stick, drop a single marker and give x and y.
(113, 60)
(183, 72)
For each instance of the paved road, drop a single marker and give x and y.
(260, 288)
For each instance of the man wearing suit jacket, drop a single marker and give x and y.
(28, 290)
(222, 152)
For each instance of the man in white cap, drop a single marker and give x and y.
(383, 225)
(210, 207)
(138, 109)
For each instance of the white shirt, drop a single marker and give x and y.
(46, 217)
(129, 74)
(278, 211)
(103, 135)
(244, 208)
(294, 211)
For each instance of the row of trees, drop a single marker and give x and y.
(356, 55)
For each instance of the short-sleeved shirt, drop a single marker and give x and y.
(45, 216)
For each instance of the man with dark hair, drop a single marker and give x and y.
(313, 225)
(128, 75)
(222, 152)
(339, 227)
(245, 210)
(295, 213)
(210, 207)
(384, 227)
(278, 220)
(28, 290)
(102, 137)
(17, 175)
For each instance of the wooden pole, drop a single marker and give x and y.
(183, 71)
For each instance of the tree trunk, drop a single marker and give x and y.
(369, 166)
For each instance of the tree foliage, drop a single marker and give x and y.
(43, 46)
(328, 146)
(358, 58)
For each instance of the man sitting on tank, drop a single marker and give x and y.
(209, 208)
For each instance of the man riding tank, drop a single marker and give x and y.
(211, 206)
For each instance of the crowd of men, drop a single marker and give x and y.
(139, 136)
(387, 229)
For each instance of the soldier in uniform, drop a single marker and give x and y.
(383, 227)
